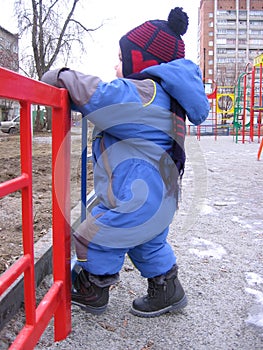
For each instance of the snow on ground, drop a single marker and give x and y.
(217, 235)
(234, 180)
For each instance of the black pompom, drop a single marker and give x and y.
(178, 20)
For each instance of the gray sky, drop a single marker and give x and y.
(122, 16)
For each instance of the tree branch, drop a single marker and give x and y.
(83, 27)
(53, 58)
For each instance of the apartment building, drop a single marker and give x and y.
(230, 37)
(8, 49)
(9, 60)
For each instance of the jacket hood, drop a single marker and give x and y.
(182, 80)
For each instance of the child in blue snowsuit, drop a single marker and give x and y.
(138, 160)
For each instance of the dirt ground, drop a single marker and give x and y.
(10, 206)
(217, 236)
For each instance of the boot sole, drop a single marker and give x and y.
(172, 308)
(91, 309)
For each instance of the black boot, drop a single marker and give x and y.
(165, 294)
(91, 292)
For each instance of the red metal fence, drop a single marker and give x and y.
(57, 300)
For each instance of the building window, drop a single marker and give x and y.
(211, 24)
(221, 31)
(221, 41)
(242, 32)
(256, 32)
(221, 51)
(242, 53)
(256, 41)
(8, 45)
(222, 21)
(211, 15)
(231, 23)
(211, 43)
(256, 13)
(231, 41)
(243, 13)
(210, 71)
(210, 53)
(225, 60)
(231, 31)
(243, 41)
(230, 52)
(211, 33)
(255, 23)
(243, 23)
(211, 62)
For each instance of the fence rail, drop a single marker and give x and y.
(57, 300)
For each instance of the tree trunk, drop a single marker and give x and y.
(49, 119)
(38, 125)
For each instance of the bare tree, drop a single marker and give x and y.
(54, 33)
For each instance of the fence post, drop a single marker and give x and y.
(61, 211)
(27, 210)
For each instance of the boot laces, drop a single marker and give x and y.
(81, 281)
(154, 288)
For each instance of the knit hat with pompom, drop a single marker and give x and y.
(154, 42)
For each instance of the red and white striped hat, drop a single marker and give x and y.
(154, 42)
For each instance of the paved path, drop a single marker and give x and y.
(218, 238)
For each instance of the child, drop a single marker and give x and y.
(138, 159)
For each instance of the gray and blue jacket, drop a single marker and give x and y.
(132, 129)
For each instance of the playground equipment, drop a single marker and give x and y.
(242, 116)
(57, 300)
(221, 99)
(210, 126)
(224, 108)
(212, 100)
(256, 98)
(248, 102)
(260, 149)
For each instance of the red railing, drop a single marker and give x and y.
(57, 300)
(256, 104)
(260, 149)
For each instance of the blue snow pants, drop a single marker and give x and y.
(152, 258)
